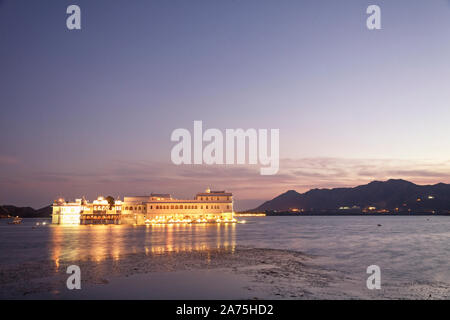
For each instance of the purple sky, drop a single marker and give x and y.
(90, 112)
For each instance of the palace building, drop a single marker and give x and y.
(209, 206)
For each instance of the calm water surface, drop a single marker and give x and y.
(411, 249)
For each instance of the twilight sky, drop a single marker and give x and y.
(91, 112)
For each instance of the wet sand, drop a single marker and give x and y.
(227, 273)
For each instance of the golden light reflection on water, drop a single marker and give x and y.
(100, 242)
(63, 240)
(56, 240)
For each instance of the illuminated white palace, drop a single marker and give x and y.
(209, 206)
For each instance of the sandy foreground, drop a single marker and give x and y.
(234, 273)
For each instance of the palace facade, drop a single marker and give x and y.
(208, 206)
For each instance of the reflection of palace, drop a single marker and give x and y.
(210, 206)
(104, 242)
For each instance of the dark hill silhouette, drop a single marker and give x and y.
(25, 212)
(389, 195)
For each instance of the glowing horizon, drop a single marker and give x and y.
(91, 112)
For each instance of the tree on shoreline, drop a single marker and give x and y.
(110, 201)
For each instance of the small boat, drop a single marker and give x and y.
(16, 220)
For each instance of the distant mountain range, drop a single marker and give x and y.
(393, 195)
(25, 212)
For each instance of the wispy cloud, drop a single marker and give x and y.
(250, 188)
(8, 160)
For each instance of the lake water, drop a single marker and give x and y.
(407, 249)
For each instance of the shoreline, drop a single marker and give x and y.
(338, 214)
(228, 273)
(312, 214)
